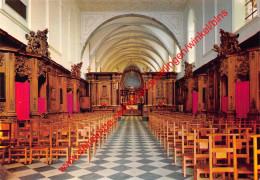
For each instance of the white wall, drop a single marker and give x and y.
(62, 18)
(12, 22)
(204, 11)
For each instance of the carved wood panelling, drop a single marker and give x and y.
(37, 43)
(242, 67)
(12, 106)
(23, 67)
(41, 69)
(196, 82)
(159, 93)
(188, 69)
(76, 70)
(229, 44)
(2, 107)
(104, 88)
(69, 84)
(223, 67)
(1, 59)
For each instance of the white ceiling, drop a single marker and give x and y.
(131, 5)
(130, 41)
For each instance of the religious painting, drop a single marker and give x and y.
(132, 80)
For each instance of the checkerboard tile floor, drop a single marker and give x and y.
(132, 152)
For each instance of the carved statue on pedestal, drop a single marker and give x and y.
(76, 70)
(188, 69)
(229, 44)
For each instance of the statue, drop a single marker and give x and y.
(188, 69)
(229, 44)
(76, 69)
(37, 44)
(218, 50)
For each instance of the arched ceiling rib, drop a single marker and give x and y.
(130, 34)
(131, 51)
(113, 30)
(132, 57)
(126, 63)
(128, 45)
(123, 41)
(150, 44)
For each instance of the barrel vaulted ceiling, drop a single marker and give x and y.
(130, 39)
(131, 5)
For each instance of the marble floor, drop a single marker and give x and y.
(131, 153)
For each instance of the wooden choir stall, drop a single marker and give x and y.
(43, 106)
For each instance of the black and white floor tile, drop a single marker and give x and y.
(132, 152)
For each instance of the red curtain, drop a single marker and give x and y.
(70, 103)
(224, 104)
(22, 100)
(187, 105)
(41, 105)
(242, 99)
(195, 101)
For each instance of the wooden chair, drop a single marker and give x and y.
(170, 136)
(188, 142)
(219, 156)
(201, 151)
(43, 141)
(177, 149)
(5, 137)
(61, 132)
(243, 154)
(161, 134)
(93, 128)
(256, 140)
(23, 141)
(100, 121)
(187, 149)
(83, 134)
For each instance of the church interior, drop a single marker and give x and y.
(130, 89)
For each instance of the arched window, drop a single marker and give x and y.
(251, 9)
(244, 11)
(191, 34)
(177, 68)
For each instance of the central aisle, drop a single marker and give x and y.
(132, 152)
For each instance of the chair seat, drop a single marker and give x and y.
(202, 167)
(170, 142)
(18, 148)
(188, 155)
(76, 147)
(3, 147)
(245, 168)
(177, 148)
(39, 148)
(59, 147)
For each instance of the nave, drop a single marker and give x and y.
(184, 73)
(131, 152)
